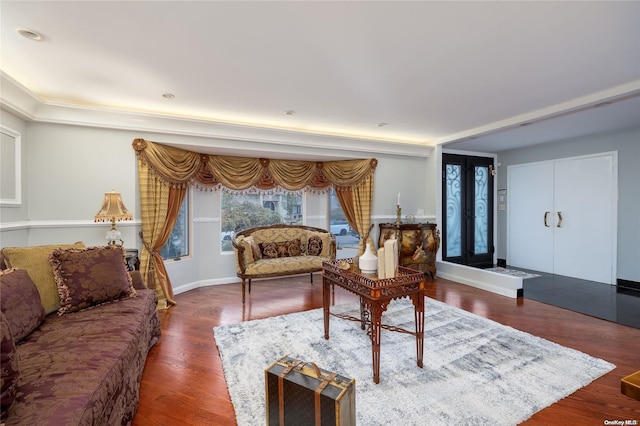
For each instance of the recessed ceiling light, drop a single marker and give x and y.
(383, 124)
(168, 95)
(30, 34)
(289, 112)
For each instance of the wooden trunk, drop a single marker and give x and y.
(300, 394)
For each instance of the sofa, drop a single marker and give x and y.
(77, 326)
(280, 250)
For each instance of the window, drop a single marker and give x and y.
(257, 209)
(178, 243)
(347, 239)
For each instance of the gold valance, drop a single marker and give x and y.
(178, 168)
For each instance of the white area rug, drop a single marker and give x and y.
(476, 371)
(512, 272)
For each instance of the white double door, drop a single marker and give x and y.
(562, 217)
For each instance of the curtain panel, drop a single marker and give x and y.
(165, 172)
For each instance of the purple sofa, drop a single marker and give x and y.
(81, 364)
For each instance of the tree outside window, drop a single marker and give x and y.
(243, 211)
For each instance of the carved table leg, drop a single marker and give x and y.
(326, 299)
(376, 320)
(418, 304)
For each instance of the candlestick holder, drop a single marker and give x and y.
(398, 215)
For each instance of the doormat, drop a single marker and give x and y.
(512, 272)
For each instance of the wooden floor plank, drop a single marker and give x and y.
(183, 382)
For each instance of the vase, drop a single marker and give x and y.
(368, 261)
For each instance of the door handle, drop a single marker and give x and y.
(545, 219)
(560, 219)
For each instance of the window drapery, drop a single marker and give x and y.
(165, 172)
(177, 167)
(160, 205)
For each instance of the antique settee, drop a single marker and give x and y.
(76, 330)
(279, 250)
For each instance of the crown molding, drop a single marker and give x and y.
(21, 101)
(615, 94)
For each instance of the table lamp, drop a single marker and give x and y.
(113, 209)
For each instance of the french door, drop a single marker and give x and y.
(467, 188)
(562, 216)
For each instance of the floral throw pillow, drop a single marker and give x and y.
(20, 303)
(269, 250)
(314, 246)
(281, 249)
(89, 277)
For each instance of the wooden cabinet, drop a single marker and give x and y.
(418, 244)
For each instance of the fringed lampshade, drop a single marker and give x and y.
(113, 209)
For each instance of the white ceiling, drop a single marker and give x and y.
(462, 73)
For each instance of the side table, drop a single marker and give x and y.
(375, 295)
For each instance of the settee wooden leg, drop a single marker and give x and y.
(249, 285)
(311, 274)
(243, 291)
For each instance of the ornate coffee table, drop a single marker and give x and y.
(375, 295)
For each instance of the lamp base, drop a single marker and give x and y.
(114, 236)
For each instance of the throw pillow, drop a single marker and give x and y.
(255, 250)
(293, 247)
(269, 250)
(91, 276)
(281, 249)
(248, 252)
(35, 260)
(8, 367)
(314, 246)
(318, 243)
(20, 303)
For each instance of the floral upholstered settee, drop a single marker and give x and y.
(279, 250)
(76, 330)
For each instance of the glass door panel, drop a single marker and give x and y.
(454, 209)
(481, 224)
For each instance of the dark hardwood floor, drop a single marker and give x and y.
(610, 302)
(183, 382)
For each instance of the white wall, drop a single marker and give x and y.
(67, 169)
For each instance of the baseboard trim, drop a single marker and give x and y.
(229, 280)
(505, 285)
(628, 284)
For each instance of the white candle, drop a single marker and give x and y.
(398, 198)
